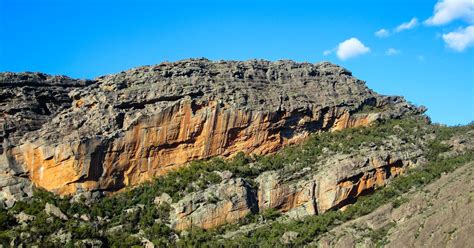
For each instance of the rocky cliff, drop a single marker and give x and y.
(70, 136)
(335, 181)
(439, 215)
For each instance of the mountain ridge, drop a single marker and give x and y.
(221, 153)
(129, 127)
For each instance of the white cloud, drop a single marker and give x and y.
(327, 52)
(392, 51)
(446, 11)
(382, 33)
(351, 48)
(460, 39)
(407, 25)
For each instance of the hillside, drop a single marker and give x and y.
(70, 136)
(228, 153)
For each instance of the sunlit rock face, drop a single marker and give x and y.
(101, 135)
(336, 182)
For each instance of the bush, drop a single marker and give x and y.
(271, 214)
(6, 220)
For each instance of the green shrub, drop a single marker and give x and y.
(6, 220)
(270, 214)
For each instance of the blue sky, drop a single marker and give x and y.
(429, 61)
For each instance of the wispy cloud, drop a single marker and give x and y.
(327, 52)
(382, 33)
(350, 48)
(460, 39)
(392, 52)
(407, 25)
(446, 11)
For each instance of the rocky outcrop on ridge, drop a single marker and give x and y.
(70, 136)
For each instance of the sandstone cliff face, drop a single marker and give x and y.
(126, 128)
(226, 202)
(336, 181)
(437, 215)
(27, 101)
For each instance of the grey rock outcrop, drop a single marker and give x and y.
(23, 218)
(163, 199)
(52, 210)
(288, 237)
(219, 204)
(27, 102)
(73, 136)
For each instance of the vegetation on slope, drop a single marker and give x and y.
(313, 226)
(135, 216)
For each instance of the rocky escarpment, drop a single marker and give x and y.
(335, 181)
(27, 102)
(124, 129)
(438, 215)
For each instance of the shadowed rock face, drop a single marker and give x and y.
(70, 136)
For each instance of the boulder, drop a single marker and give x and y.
(23, 218)
(85, 217)
(52, 210)
(288, 237)
(163, 199)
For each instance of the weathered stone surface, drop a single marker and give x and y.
(339, 180)
(61, 237)
(163, 199)
(288, 237)
(71, 136)
(27, 102)
(52, 210)
(353, 175)
(460, 144)
(13, 188)
(438, 215)
(297, 199)
(24, 218)
(224, 203)
(85, 217)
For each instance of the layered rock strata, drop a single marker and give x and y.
(336, 181)
(437, 215)
(27, 102)
(71, 136)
